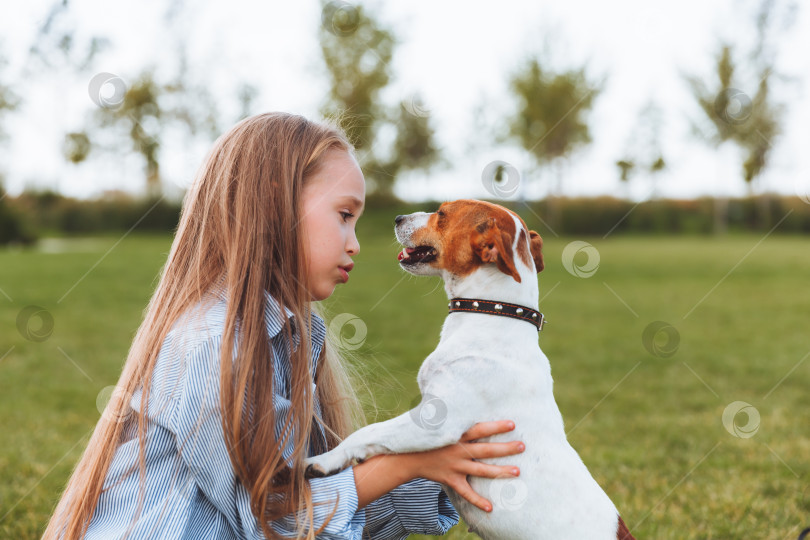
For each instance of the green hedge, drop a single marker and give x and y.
(49, 213)
(53, 213)
(14, 227)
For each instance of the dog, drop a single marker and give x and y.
(488, 366)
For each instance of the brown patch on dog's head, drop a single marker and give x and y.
(464, 234)
(492, 244)
(537, 250)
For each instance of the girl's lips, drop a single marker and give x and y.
(344, 274)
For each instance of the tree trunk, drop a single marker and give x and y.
(153, 188)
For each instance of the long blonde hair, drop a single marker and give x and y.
(238, 223)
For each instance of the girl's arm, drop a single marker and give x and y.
(449, 465)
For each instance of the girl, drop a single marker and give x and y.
(219, 403)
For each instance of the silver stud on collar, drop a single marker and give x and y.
(498, 307)
(519, 311)
(458, 304)
(475, 304)
(534, 315)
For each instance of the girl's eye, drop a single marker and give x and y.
(346, 215)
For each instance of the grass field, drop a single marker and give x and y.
(646, 415)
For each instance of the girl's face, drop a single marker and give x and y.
(333, 200)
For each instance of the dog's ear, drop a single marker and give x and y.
(536, 245)
(491, 244)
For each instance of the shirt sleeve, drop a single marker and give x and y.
(417, 507)
(196, 423)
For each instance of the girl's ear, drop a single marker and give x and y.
(490, 244)
(536, 245)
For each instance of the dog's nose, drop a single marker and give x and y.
(398, 219)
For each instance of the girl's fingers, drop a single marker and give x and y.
(493, 471)
(490, 450)
(464, 489)
(485, 429)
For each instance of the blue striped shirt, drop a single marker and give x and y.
(192, 491)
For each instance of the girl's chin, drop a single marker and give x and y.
(322, 293)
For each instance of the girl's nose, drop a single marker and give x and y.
(353, 247)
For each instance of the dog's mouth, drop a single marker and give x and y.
(418, 254)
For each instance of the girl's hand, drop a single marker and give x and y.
(450, 465)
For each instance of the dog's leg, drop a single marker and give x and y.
(428, 426)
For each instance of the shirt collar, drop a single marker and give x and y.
(275, 322)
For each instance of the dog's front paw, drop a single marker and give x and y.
(324, 465)
(314, 471)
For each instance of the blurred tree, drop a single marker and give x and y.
(752, 124)
(9, 99)
(247, 96)
(550, 121)
(144, 110)
(724, 124)
(644, 151)
(12, 225)
(357, 52)
(626, 166)
(414, 146)
(57, 47)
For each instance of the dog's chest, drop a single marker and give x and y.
(485, 357)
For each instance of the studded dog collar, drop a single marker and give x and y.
(515, 311)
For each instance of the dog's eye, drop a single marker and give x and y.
(440, 214)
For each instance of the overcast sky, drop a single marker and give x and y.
(457, 55)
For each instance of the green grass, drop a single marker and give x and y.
(649, 428)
